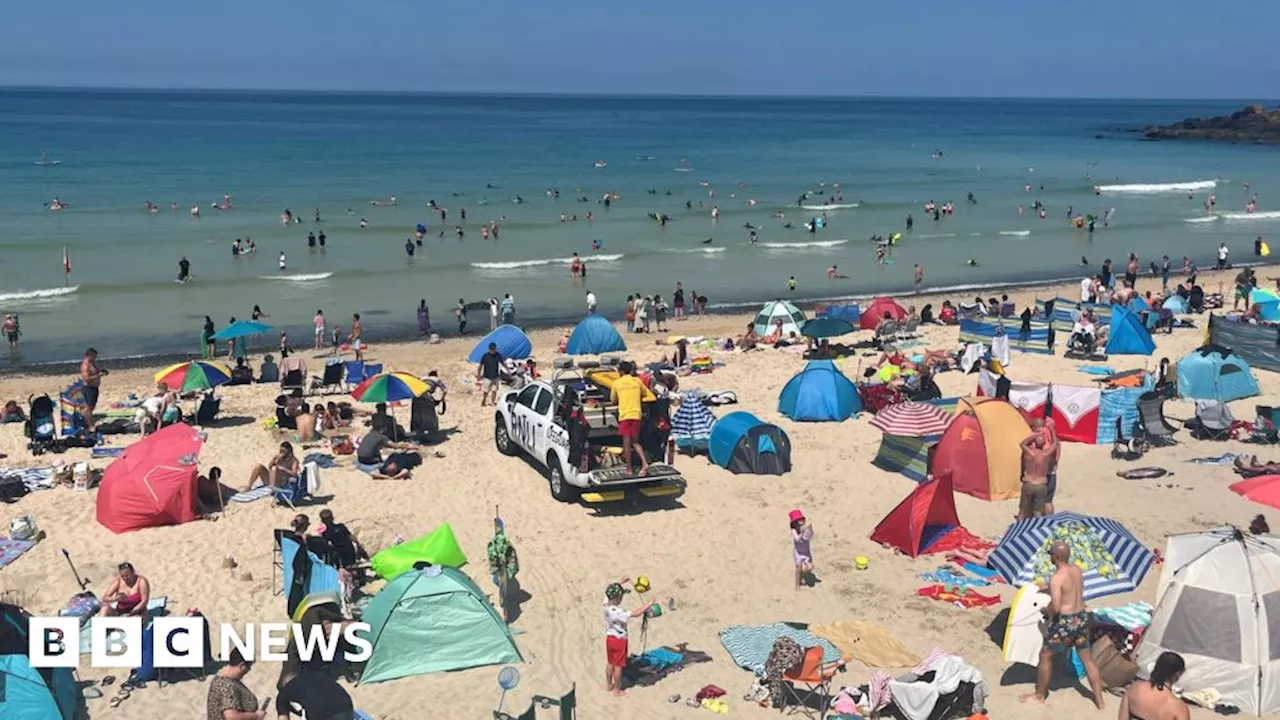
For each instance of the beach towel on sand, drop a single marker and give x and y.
(250, 495)
(750, 645)
(11, 550)
(33, 478)
(867, 642)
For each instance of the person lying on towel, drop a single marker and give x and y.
(396, 466)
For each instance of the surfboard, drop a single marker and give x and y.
(47, 163)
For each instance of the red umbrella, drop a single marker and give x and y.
(912, 419)
(1264, 489)
(875, 312)
(153, 483)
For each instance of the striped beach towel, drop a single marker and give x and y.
(1133, 616)
(33, 478)
(250, 495)
(750, 645)
(11, 550)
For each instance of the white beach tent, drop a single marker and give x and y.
(791, 316)
(1219, 608)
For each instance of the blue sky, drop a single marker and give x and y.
(1070, 48)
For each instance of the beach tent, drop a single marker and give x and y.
(982, 449)
(875, 312)
(1137, 303)
(1268, 303)
(593, 336)
(1175, 304)
(25, 691)
(433, 620)
(925, 515)
(1219, 609)
(511, 341)
(439, 547)
(1258, 345)
(692, 422)
(1128, 336)
(819, 393)
(743, 443)
(849, 313)
(1215, 373)
(152, 483)
(791, 316)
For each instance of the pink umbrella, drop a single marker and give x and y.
(912, 419)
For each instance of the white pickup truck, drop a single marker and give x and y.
(570, 430)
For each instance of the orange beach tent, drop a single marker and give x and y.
(981, 449)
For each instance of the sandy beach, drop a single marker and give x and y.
(722, 552)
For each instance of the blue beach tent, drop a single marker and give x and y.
(819, 393)
(28, 692)
(1175, 304)
(1268, 303)
(850, 313)
(511, 341)
(1128, 336)
(1215, 373)
(743, 443)
(595, 335)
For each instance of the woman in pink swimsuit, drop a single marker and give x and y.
(127, 594)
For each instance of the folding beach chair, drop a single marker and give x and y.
(911, 329)
(1266, 425)
(355, 373)
(1152, 426)
(371, 369)
(331, 381)
(297, 490)
(806, 684)
(887, 333)
(292, 380)
(568, 703)
(1213, 421)
(301, 569)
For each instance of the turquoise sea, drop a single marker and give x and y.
(333, 152)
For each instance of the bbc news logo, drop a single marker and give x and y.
(179, 642)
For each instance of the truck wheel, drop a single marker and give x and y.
(502, 438)
(561, 490)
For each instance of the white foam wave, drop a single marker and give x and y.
(833, 206)
(1204, 219)
(37, 294)
(301, 277)
(707, 250)
(1153, 188)
(1270, 215)
(936, 235)
(517, 264)
(1016, 233)
(802, 245)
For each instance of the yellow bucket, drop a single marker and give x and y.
(861, 562)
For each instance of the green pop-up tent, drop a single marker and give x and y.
(439, 547)
(433, 620)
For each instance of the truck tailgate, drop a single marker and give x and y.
(611, 484)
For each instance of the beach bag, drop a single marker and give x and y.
(23, 528)
(342, 445)
(1116, 670)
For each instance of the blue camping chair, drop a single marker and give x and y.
(302, 571)
(298, 490)
(355, 373)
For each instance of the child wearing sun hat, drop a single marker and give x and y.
(801, 537)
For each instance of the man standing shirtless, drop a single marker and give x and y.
(91, 374)
(1068, 626)
(1037, 456)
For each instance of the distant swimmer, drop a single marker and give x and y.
(791, 283)
(363, 223)
(1084, 261)
(595, 246)
(408, 247)
(708, 241)
(184, 269)
(971, 262)
(972, 199)
(748, 226)
(911, 221)
(754, 237)
(283, 265)
(311, 239)
(832, 272)
(321, 238)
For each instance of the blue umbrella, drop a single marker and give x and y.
(825, 327)
(241, 328)
(1111, 558)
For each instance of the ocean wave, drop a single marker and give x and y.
(517, 264)
(1153, 188)
(833, 206)
(1269, 215)
(936, 235)
(707, 250)
(1203, 219)
(301, 277)
(37, 294)
(1016, 233)
(802, 245)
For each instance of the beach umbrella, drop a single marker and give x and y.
(389, 387)
(1111, 558)
(912, 419)
(194, 375)
(241, 328)
(1263, 489)
(826, 327)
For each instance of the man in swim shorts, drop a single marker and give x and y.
(1068, 626)
(1037, 455)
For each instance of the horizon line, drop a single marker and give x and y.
(632, 95)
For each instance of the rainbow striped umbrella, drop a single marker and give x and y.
(389, 387)
(194, 375)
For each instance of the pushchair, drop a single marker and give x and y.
(40, 428)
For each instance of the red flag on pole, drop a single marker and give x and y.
(66, 260)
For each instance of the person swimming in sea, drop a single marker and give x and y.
(1084, 261)
(595, 246)
(408, 247)
(708, 241)
(184, 269)
(971, 262)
